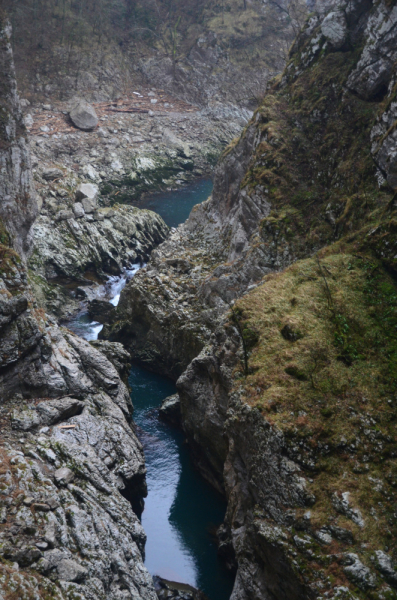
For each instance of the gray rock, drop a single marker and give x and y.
(358, 573)
(53, 411)
(117, 354)
(100, 310)
(16, 179)
(83, 115)
(70, 570)
(87, 191)
(334, 28)
(170, 410)
(78, 210)
(64, 215)
(89, 205)
(25, 420)
(341, 503)
(51, 174)
(64, 476)
(386, 567)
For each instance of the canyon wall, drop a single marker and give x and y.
(275, 306)
(70, 461)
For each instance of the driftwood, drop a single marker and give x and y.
(127, 110)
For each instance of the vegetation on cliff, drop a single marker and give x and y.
(250, 35)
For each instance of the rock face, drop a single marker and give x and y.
(83, 115)
(258, 303)
(102, 243)
(18, 205)
(69, 456)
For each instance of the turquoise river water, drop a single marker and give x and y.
(181, 511)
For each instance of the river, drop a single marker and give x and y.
(181, 511)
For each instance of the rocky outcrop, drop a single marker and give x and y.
(103, 243)
(70, 462)
(275, 402)
(87, 248)
(18, 205)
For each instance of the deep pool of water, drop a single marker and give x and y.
(181, 511)
(175, 206)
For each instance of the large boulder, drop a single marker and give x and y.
(86, 190)
(83, 115)
(86, 194)
(334, 28)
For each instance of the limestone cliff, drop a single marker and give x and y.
(68, 451)
(290, 405)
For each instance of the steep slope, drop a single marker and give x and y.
(290, 405)
(68, 451)
(203, 51)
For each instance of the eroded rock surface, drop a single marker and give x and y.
(264, 352)
(69, 457)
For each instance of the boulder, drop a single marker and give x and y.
(334, 28)
(78, 210)
(83, 116)
(70, 570)
(25, 419)
(100, 310)
(170, 410)
(89, 205)
(64, 476)
(86, 190)
(64, 215)
(51, 174)
(358, 573)
(386, 566)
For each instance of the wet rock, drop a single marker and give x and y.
(170, 410)
(83, 115)
(100, 310)
(172, 590)
(104, 246)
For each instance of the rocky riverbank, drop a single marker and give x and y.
(285, 361)
(69, 457)
(86, 179)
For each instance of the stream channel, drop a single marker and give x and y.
(181, 511)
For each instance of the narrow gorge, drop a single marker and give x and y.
(198, 306)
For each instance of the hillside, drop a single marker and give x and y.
(204, 51)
